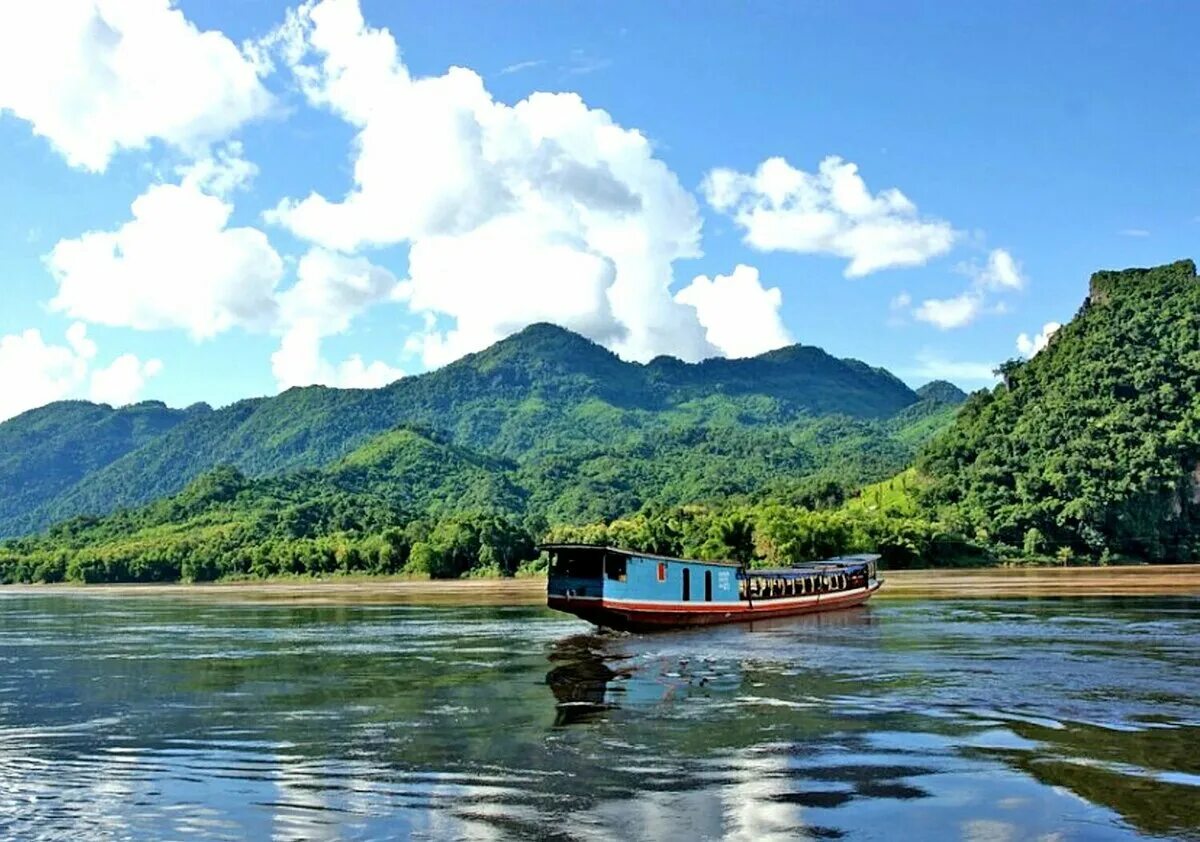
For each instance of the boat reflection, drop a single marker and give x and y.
(580, 678)
(594, 674)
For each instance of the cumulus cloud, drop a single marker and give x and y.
(175, 264)
(98, 76)
(831, 211)
(949, 313)
(219, 173)
(1001, 273)
(34, 372)
(1030, 346)
(543, 210)
(330, 290)
(740, 316)
(299, 362)
(121, 382)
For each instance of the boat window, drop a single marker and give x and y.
(687, 584)
(708, 586)
(577, 563)
(614, 567)
(662, 571)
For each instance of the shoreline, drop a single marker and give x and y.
(977, 583)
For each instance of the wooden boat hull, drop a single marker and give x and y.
(633, 615)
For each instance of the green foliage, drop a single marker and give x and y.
(751, 460)
(46, 451)
(774, 534)
(897, 495)
(1092, 446)
(570, 431)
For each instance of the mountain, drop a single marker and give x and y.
(942, 391)
(409, 500)
(363, 513)
(554, 404)
(1093, 445)
(44, 452)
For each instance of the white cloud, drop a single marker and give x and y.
(949, 313)
(218, 173)
(1001, 273)
(740, 316)
(1134, 232)
(122, 381)
(1030, 346)
(98, 76)
(829, 212)
(934, 366)
(544, 210)
(517, 67)
(298, 362)
(175, 264)
(330, 290)
(34, 373)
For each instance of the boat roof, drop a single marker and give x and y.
(807, 568)
(802, 569)
(637, 553)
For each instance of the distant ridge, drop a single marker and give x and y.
(943, 391)
(544, 389)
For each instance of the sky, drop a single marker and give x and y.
(209, 200)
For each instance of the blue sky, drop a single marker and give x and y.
(914, 185)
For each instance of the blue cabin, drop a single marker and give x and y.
(584, 572)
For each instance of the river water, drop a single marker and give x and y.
(147, 718)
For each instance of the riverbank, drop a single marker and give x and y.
(1142, 580)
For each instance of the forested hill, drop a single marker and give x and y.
(1092, 446)
(46, 451)
(585, 433)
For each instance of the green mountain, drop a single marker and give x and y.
(940, 390)
(362, 513)
(1093, 445)
(45, 452)
(410, 500)
(588, 434)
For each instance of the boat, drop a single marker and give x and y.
(634, 591)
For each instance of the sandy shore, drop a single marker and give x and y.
(1146, 580)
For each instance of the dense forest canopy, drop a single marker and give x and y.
(466, 467)
(545, 400)
(1092, 446)
(1090, 449)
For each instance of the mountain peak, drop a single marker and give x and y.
(943, 391)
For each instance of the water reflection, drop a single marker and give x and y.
(956, 720)
(580, 678)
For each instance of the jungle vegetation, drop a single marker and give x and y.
(1088, 451)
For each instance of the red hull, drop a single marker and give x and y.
(633, 616)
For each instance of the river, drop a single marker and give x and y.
(985, 719)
